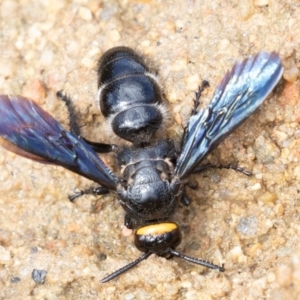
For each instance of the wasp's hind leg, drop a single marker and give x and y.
(194, 111)
(73, 115)
(75, 127)
(97, 147)
(209, 165)
(201, 88)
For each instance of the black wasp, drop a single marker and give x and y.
(153, 174)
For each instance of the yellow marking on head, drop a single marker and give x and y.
(156, 229)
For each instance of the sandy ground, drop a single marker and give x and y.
(251, 224)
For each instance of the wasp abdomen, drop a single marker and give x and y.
(129, 95)
(118, 62)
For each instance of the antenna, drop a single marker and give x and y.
(127, 267)
(197, 261)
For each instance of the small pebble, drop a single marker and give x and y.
(39, 276)
(85, 14)
(261, 2)
(248, 225)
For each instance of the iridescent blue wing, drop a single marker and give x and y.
(238, 95)
(40, 137)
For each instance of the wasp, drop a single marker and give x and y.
(153, 173)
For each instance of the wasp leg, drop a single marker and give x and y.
(89, 191)
(101, 147)
(129, 222)
(75, 127)
(201, 88)
(185, 200)
(195, 108)
(220, 166)
(73, 115)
